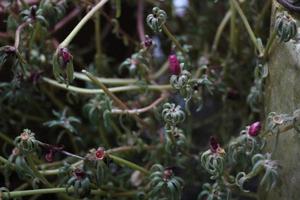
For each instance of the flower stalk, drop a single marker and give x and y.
(82, 22)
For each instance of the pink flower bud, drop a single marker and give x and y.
(174, 65)
(65, 55)
(147, 42)
(254, 129)
(49, 156)
(168, 173)
(100, 153)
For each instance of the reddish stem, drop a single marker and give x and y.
(18, 33)
(140, 20)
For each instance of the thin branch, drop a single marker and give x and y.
(18, 33)
(109, 151)
(109, 81)
(141, 110)
(140, 20)
(100, 91)
(82, 22)
(248, 27)
(220, 30)
(16, 194)
(174, 40)
(161, 71)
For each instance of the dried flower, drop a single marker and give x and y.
(215, 146)
(147, 42)
(79, 174)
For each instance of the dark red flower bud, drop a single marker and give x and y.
(147, 42)
(49, 156)
(254, 129)
(168, 173)
(100, 153)
(65, 55)
(214, 144)
(174, 65)
(79, 174)
(33, 10)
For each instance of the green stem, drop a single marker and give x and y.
(6, 162)
(82, 22)
(220, 30)
(98, 42)
(233, 30)
(36, 172)
(109, 151)
(103, 136)
(161, 71)
(108, 81)
(100, 91)
(169, 34)
(33, 36)
(270, 44)
(129, 164)
(248, 27)
(6, 139)
(16, 194)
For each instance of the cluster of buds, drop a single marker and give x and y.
(163, 181)
(260, 163)
(81, 183)
(26, 141)
(174, 137)
(179, 138)
(137, 64)
(213, 159)
(285, 26)
(172, 114)
(22, 168)
(212, 191)
(156, 19)
(34, 13)
(63, 69)
(247, 143)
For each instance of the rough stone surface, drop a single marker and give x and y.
(282, 95)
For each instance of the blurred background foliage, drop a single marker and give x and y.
(59, 116)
